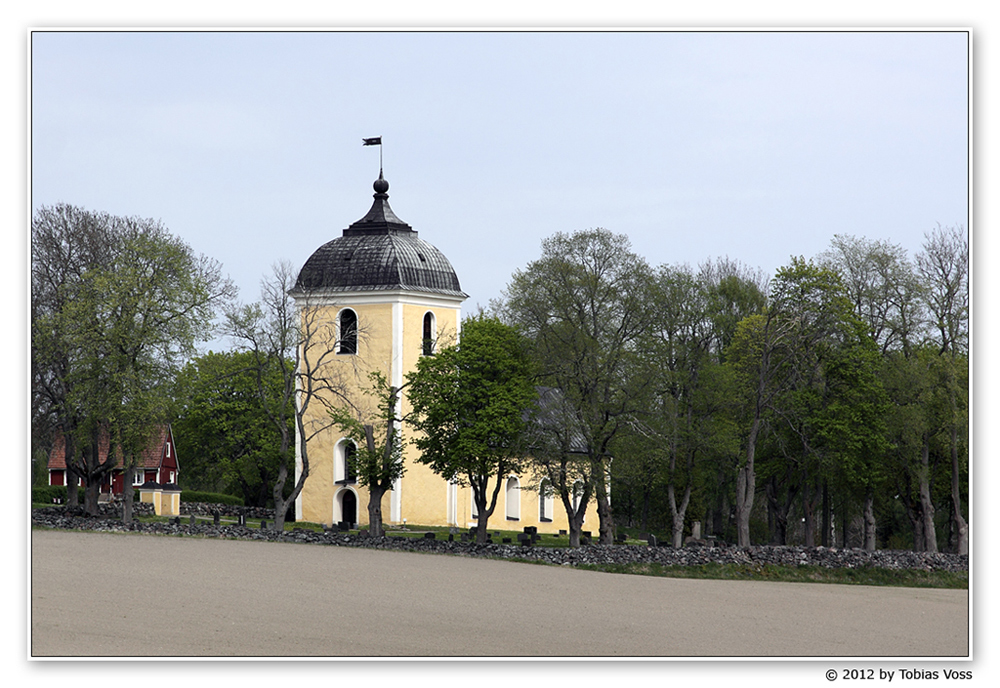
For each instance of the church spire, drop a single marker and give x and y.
(380, 218)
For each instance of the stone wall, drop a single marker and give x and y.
(56, 517)
(114, 510)
(229, 510)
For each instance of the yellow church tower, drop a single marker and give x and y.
(391, 298)
(394, 298)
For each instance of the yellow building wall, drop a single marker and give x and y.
(528, 511)
(374, 353)
(424, 493)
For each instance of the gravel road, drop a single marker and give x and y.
(123, 595)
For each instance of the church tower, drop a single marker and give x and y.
(393, 298)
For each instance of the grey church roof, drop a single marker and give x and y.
(554, 425)
(379, 252)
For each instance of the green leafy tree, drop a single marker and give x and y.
(778, 357)
(378, 461)
(584, 306)
(943, 265)
(910, 383)
(228, 442)
(469, 409)
(120, 304)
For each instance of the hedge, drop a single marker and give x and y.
(48, 494)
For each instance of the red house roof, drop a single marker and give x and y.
(151, 457)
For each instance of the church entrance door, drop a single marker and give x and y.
(349, 507)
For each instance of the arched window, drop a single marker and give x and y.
(345, 506)
(343, 468)
(545, 501)
(513, 499)
(350, 452)
(348, 332)
(430, 333)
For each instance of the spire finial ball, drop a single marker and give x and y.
(380, 185)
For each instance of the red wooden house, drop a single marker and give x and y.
(157, 463)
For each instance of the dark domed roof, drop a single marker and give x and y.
(379, 252)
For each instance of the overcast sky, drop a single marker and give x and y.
(756, 145)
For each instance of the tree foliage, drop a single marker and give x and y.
(583, 306)
(469, 410)
(222, 431)
(117, 305)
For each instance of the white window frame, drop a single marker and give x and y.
(340, 473)
(576, 494)
(512, 498)
(546, 503)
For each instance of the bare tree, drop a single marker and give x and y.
(297, 339)
(378, 461)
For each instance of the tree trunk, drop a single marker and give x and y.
(72, 487)
(481, 527)
(778, 512)
(375, 494)
(926, 504)
(827, 520)
(869, 520)
(479, 496)
(678, 513)
(575, 529)
(95, 474)
(280, 504)
(809, 511)
(960, 525)
(90, 497)
(746, 480)
(127, 495)
(606, 526)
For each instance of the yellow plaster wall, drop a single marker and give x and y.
(374, 353)
(424, 493)
(528, 512)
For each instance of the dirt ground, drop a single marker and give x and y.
(116, 595)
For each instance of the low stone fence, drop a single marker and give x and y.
(226, 510)
(55, 517)
(114, 510)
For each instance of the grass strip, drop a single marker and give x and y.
(869, 575)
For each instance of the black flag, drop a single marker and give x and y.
(377, 141)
